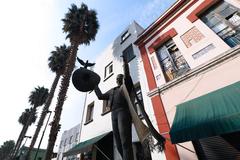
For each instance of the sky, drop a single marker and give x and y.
(30, 30)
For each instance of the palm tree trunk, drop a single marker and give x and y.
(17, 143)
(21, 137)
(25, 128)
(70, 64)
(44, 113)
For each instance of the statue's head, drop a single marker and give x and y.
(119, 79)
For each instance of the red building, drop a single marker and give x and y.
(191, 62)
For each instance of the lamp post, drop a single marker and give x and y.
(26, 139)
(22, 152)
(50, 112)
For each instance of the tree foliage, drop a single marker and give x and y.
(57, 60)
(6, 149)
(56, 63)
(25, 115)
(38, 96)
(80, 24)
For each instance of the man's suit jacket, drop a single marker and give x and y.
(109, 94)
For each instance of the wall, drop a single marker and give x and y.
(178, 26)
(112, 53)
(182, 25)
(215, 78)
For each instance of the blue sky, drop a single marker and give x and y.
(28, 33)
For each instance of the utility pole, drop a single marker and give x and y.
(50, 112)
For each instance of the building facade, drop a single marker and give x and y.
(69, 139)
(190, 57)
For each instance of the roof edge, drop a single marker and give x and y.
(152, 27)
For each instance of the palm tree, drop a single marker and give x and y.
(81, 26)
(23, 120)
(37, 98)
(56, 63)
(6, 149)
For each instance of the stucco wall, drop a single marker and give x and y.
(182, 25)
(203, 82)
(102, 123)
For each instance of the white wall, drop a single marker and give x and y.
(182, 25)
(100, 124)
(66, 135)
(110, 54)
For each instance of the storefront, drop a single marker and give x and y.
(211, 122)
(99, 147)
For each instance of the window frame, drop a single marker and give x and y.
(76, 136)
(89, 115)
(171, 59)
(105, 107)
(70, 139)
(107, 73)
(126, 52)
(138, 90)
(61, 144)
(125, 36)
(65, 142)
(220, 24)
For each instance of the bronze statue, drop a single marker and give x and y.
(121, 117)
(121, 105)
(85, 64)
(84, 79)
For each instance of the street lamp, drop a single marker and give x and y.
(26, 139)
(43, 134)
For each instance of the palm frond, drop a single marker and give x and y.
(58, 59)
(38, 96)
(80, 24)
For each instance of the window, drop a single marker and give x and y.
(108, 71)
(70, 139)
(65, 142)
(106, 107)
(171, 60)
(125, 36)
(139, 95)
(129, 53)
(76, 137)
(61, 143)
(89, 117)
(224, 20)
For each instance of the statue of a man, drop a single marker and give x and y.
(121, 117)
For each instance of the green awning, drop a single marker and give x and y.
(212, 114)
(84, 146)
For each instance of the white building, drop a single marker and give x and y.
(96, 139)
(69, 139)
